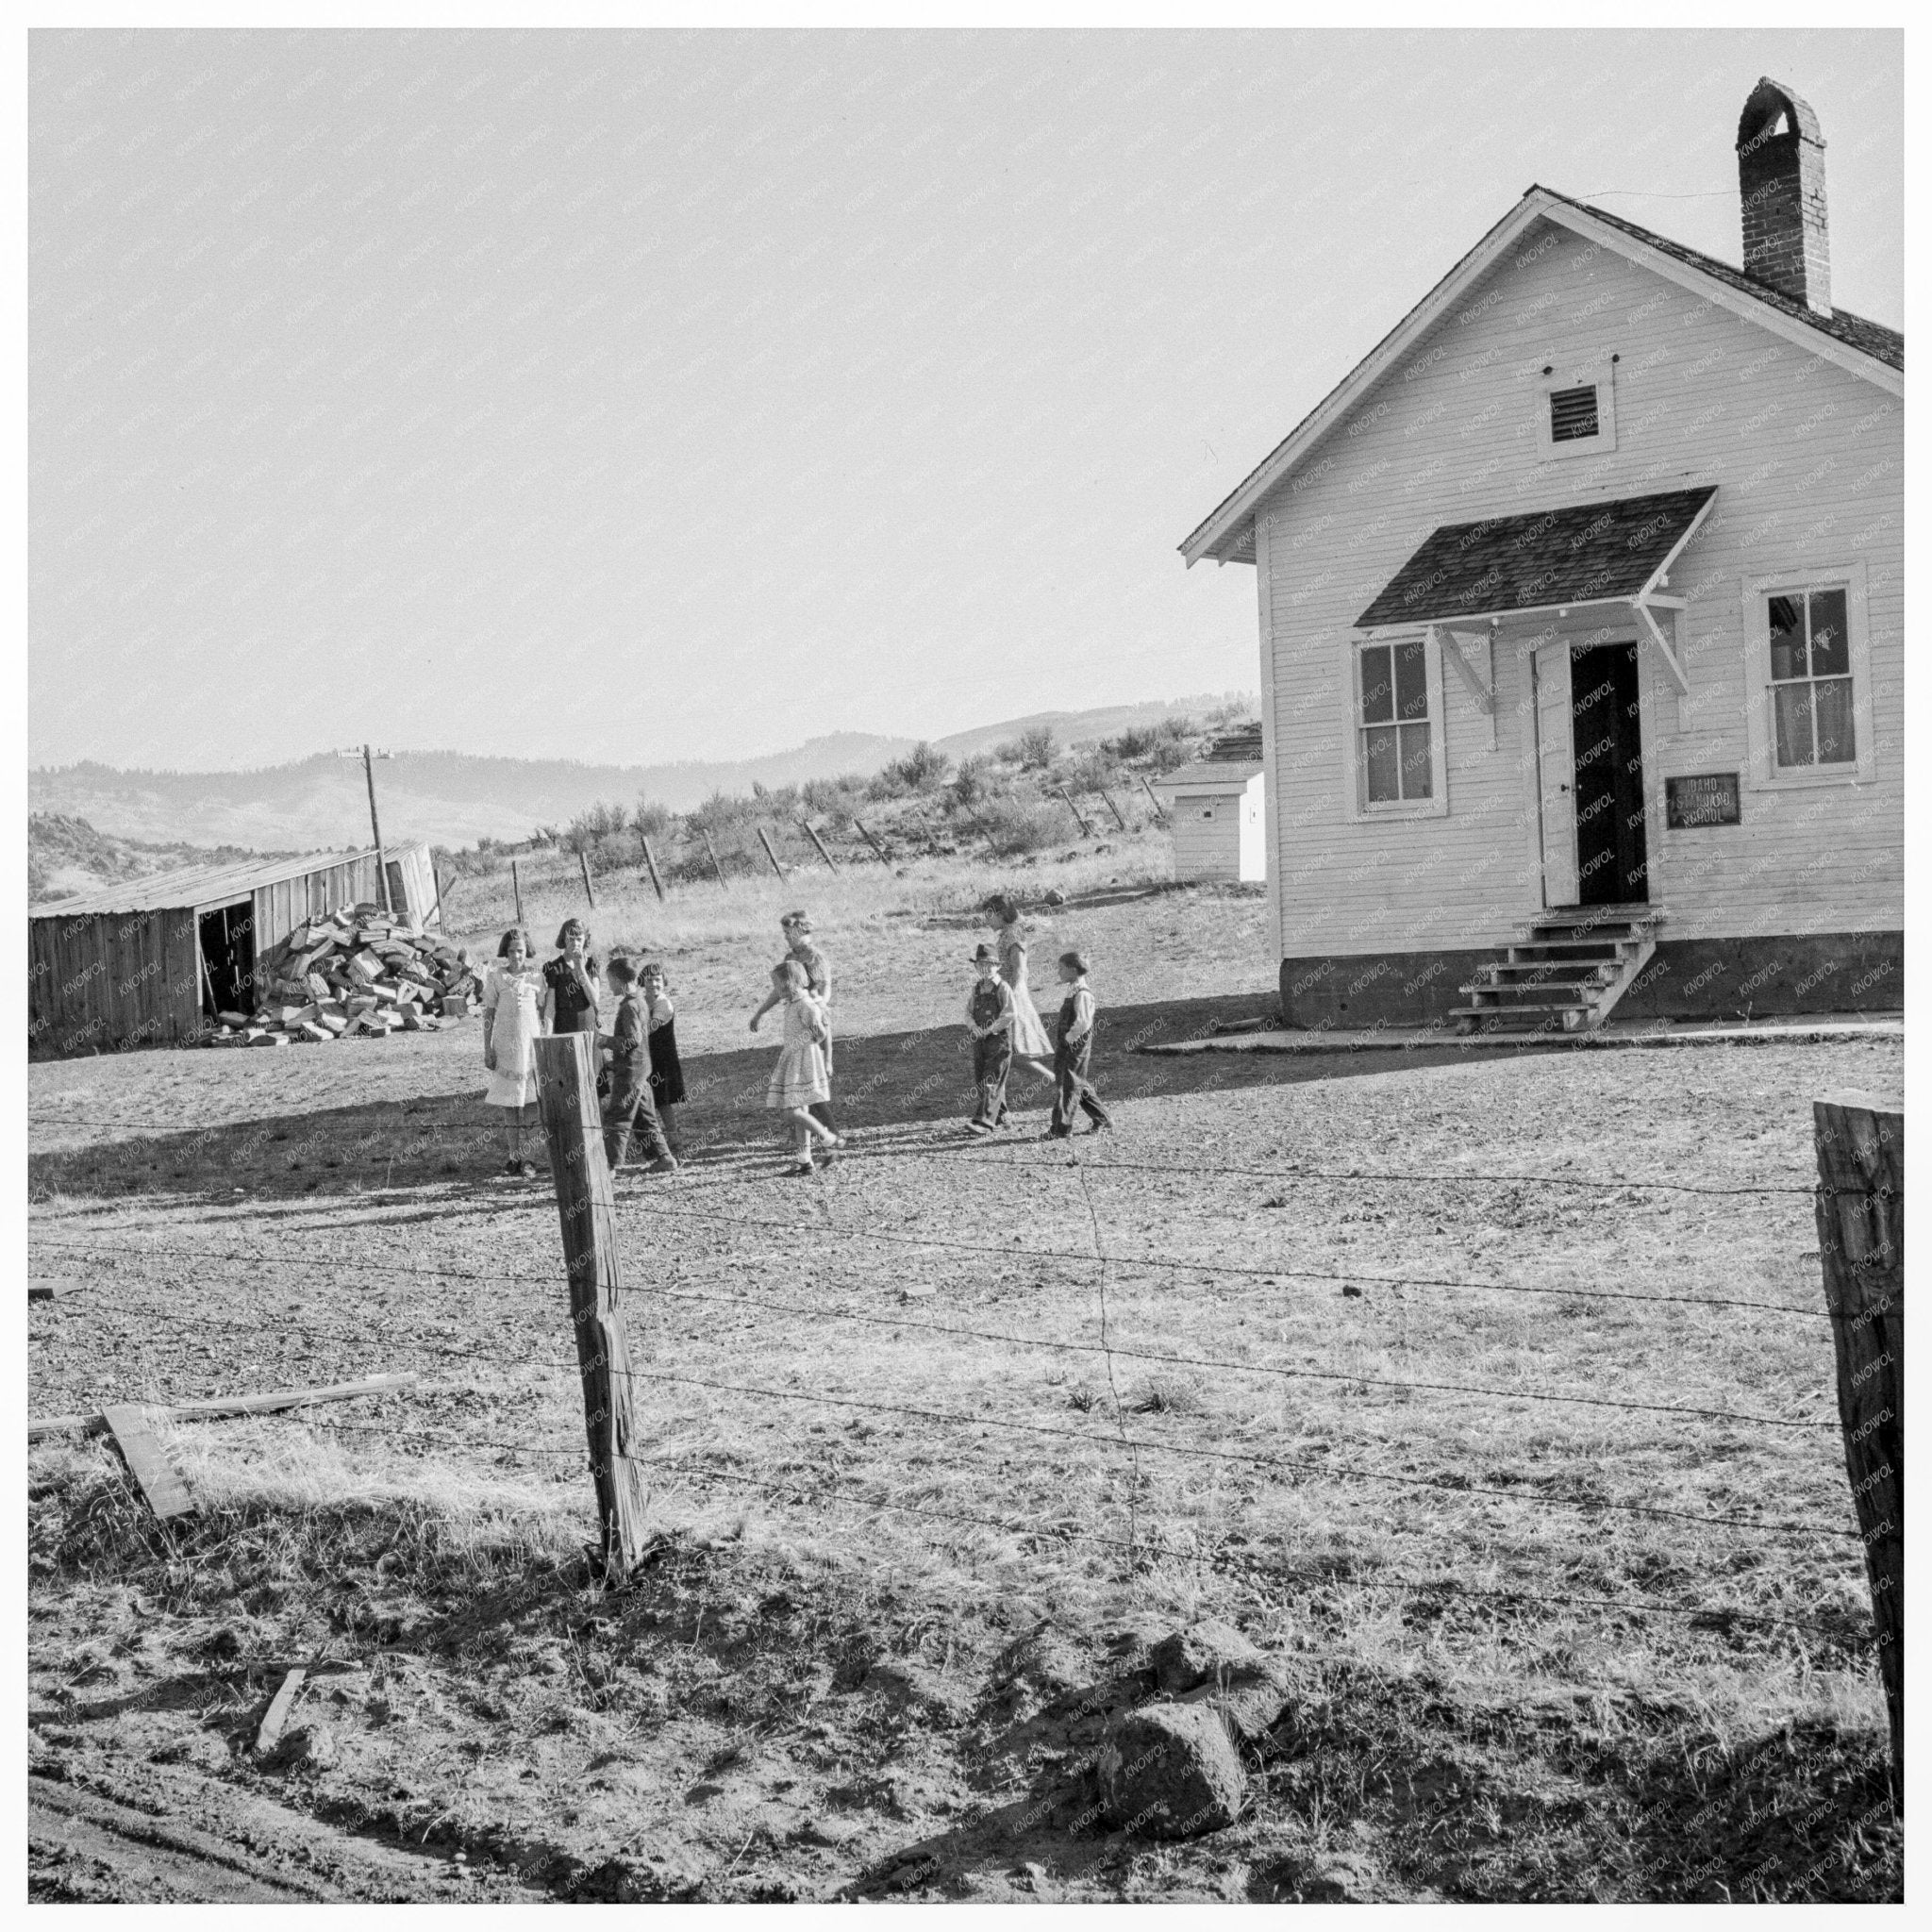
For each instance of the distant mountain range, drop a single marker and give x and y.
(452, 798)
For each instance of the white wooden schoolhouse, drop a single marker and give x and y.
(1215, 806)
(1582, 632)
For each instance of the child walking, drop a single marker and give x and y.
(630, 1108)
(1073, 1054)
(513, 1001)
(667, 1070)
(989, 1022)
(800, 1081)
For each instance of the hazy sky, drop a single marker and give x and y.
(679, 395)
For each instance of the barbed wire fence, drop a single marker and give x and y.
(401, 1338)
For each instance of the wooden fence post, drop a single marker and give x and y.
(871, 841)
(651, 863)
(715, 866)
(764, 840)
(589, 890)
(516, 885)
(1112, 808)
(1159, 809)
(832, 862)
(1862, 1250)
(567, 1084)
(1087, 830)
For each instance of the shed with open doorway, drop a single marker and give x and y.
(152, 962)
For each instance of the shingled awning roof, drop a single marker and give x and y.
(1587, 553)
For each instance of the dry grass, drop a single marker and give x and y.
(921, 1497)
(859, 894)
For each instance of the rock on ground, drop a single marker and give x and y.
(1211, 1663)
(1169, 1771)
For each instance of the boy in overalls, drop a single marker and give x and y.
(1072, 1053)
(630, 1104)
(990, 1021)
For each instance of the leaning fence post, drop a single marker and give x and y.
(1112, 808)
(566, 1079)
(1086, 830)
(1862, 1250)
(831, 863)
(589, 890)
(715, 866)
(516, 885)
(656, 884)
(764, 839)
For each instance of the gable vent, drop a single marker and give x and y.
(1572, 413)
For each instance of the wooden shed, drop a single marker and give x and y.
(1216, 806)
(151, 961)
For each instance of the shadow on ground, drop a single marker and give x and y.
(882, 1083)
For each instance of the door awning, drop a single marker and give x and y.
(1585, 553)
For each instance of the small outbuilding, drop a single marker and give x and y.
(150, 963)
(1216, 806)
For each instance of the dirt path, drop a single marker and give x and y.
(135, 1832)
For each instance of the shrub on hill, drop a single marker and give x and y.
(834, 798)
(1032, 751)
(923, 768)
(973, 784)
(1014, 825)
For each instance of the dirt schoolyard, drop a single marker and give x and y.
(1487, 1392)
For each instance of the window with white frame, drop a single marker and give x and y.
(1811, 715)
(1395, 752)
(1810, 679)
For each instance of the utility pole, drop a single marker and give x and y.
(368, 759)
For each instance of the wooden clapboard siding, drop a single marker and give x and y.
(1808, 460)
(1214, 836)
(1208, 834)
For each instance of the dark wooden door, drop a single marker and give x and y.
(1612, 865)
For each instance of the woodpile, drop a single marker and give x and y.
(358, 972)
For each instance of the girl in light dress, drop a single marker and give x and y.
(514, 1006)
(1032, 1048)
(800, 1080)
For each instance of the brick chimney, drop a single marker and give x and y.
(1781, 181)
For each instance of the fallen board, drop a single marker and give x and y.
(159, 1481)
(236, 1405)
(43, 1288)
(280, 1704)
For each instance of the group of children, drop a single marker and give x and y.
(1006, 1029)
(645, 1079)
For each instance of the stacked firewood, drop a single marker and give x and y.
(359, 972)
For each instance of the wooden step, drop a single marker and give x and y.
(1585, 972)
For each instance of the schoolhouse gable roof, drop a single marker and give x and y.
(1865, 348)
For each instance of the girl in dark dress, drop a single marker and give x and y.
(667, 1070)
(572, 982)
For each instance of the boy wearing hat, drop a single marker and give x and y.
(1072, 1052)
(989, 1022)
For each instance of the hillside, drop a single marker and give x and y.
(453, 798)
(66, 856)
